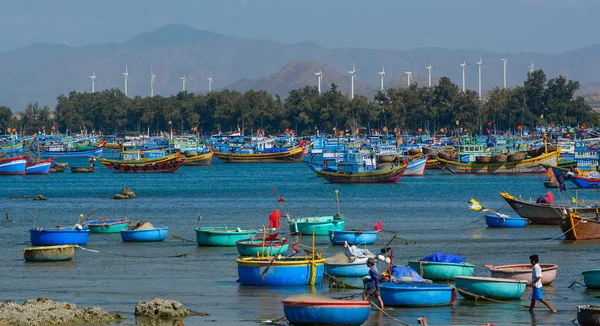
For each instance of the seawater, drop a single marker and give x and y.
(430, 212)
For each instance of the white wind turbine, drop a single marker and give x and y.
(464, 70)
(152, 76)
(183, 83)
(429, 69)
(505, 63)
(408, 73)
(531, 66)
(479, 64)
(210, 81)
(319, 79)
(382, 75)
(93, 78)
(352, 81)
(126, 74)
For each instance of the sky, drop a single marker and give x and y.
(533, 26)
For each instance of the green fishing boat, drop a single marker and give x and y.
(258, 247)
(221, 236)
(319, 225)
(107, 225)
(441, 271)
(591, 278)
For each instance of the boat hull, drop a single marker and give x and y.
(294, 155)
(591, 278)
(495, 221)
(523, 272)
(490, 287)
(289, 271)
(585, 183)
(354, 269)
(149, 235)
(91, 152)
(49, 253)
(221, 236)
(415, 168)
(56, 237)
(338, 237)
(165, 164)
(439, 271)
(417, 294)
(104, 226)
(377, 176)
(588, 315)
(39, 167)
(11, 166)
(319, 225)
(578, 228)
(531, 165)
(199, 160)
(334, 312)
(271, 248)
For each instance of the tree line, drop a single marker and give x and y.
(441, 108)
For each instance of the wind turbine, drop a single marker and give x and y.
(532, 64)
(126, 74)
(382, 75)
(183, 82)
(93, 78)
(319, 79)
(479, 63)
(505, 63)
(152, 76)
(429, 69)
(209, 84)
(352, 81)
(464, 69)
(408, 73)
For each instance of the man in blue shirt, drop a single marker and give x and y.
(372, 286)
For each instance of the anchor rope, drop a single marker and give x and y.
(390, 316)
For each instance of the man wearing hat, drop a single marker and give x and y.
(372, 285)
(536, 282)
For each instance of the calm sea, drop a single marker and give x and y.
(430, 212)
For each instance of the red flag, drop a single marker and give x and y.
(274, 219)
(378, 226)
(549, 197)
(280, 200)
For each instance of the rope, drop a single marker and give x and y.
(180, 238)
(134, 256)
(562, 234)
(82, 248)
(13, 257)
(477, 297)
(385, 313)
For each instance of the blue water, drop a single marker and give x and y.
(430, 212)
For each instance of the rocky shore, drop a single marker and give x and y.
(46, 312)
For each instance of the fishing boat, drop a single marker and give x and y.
(291, 155)
(58, 236)
(523, 272)
(317, 311)
(144, 235)
(353, 171)
(551, 184)
(203, 159)
(591, 278)
(260, 247)
(472, 287)
(319, 225)
(221, 236)
(357, 268)
(417, 294)
(49, 253)
(284, 271)
(82, 169)
(588, 315)
(590, 181)
(107, 225)
(13, 165)
(133, 162)
(530, 165)
(575, 227)
(416, 168)
(498, 221)
(442, 267)
(353, 237)
(62, 151)
(57, 169)
(38, 167)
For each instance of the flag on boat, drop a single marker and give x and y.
(575, 201)
(549, 197)
(475, 205)
(378, 226)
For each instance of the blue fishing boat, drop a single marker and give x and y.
(353, 237)
(258, 247)
(53, 151)
(284, 271)
(591, 181)
(58, 236)
(49, 253)
(591, 278)
(145, 235)
(326, 311)
(107, 225)
(221, 236)
(357, 268)
(39, 167)
(14, 165)
(497, 221)
(320, 225)
(472, 287)
(417, 294)
(442, 267)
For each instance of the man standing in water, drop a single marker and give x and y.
(536, 282)
(372, 286)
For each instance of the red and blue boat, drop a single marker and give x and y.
(14, 165)
(39, 167)
(585, 182)
(326, 311)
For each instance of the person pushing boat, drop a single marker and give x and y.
(372, 284)
(536, 283)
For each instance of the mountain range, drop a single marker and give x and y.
(41, 72)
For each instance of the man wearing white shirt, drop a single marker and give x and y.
(536, 282)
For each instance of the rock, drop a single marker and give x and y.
(161, 308)
(119, 196)
(39, 197)
(45, 311)
(127, 192)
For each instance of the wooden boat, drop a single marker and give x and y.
(326, 311)
(258, 247)
(107, 225)
(58, 236)
(133, 162)
(428, 150)
(57, 169)
(483, 159)
(575, 227)
(445, 155)
(531, 165)
(144, 235)
(293, 155)
(221, 236)
(14, 165)
(470, 287)
(415, 168)
(39, 167)
(82, 169)
(353, 237)
(374, 176)
(414, 151)
(500, 158)
(523, 272)
(517, 156)
(319, 225)
(417, 294)
(534, 152)
(48, 152)
(441, 271)
(204, 159)
(547, 214)
(357, 268)
(588, 315)
(496, 221)
(551, 184)
(284, 271)
(49, 253)
(591, 278)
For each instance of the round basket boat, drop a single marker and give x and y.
(523, 272)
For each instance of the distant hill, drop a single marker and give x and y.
(40, 72)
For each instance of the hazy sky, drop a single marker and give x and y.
(551, 26)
